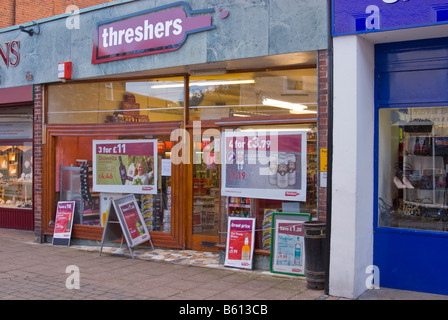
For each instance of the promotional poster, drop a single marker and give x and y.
(288, 254)
(131, 220)
(264, 164)
(63, 222)
(125, 166)
(240, 242)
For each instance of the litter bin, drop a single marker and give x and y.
(315, 234)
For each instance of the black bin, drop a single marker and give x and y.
(315, 235)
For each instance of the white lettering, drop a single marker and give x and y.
(147, 31)
(373, 280)
(138, 34)
(149, 28)
(120, 37)
(129, 35)
(373, 21)
(105, 35)
(73, 280)
(159, 30)
(72, 21)
(177, 27)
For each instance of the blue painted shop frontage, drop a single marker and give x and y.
(390, 107)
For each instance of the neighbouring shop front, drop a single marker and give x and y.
(163, 119)
(16, 158)
(401, 74)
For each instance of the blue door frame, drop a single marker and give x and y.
(410, 74)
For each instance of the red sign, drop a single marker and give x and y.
(9, 54)
(152, 31)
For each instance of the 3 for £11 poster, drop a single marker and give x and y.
(125, 166)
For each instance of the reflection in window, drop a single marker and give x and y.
(116, 101)
(413, 160)
(253, 94)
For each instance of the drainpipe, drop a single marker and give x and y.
(13, 13)
(329, 146)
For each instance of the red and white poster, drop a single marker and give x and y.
(125, 166)
(63, 222)
(240, 242)
(264, 164)
(132, 221)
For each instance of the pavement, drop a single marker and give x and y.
(41, 271)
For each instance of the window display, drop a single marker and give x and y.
(77, 181)
(413, 161)
(263, 206)
(16, 175)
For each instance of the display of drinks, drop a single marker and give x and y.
(273, 167)
(245, 250)
(291, 158)
(122, 170)
(240, 159)
(131, 171)
(282, 172)
(298, 252)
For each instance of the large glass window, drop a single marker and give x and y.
(74, 181)
(16, 175)
(263, 208)
(412, 167)
(253, 94)
(129, 102)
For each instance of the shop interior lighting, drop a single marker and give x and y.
(293, 107)
(241, 115)
(202, 84)
(276, 130)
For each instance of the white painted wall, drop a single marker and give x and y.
(351, 248)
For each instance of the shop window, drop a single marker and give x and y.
(75, 179)
(267, 187)
(16, 175)
(126, 102)
(412, 168)
(236, 96)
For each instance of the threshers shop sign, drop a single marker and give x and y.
(152, 31)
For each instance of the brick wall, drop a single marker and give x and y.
(37, 161)
(16, 12)
(6, 13)
(322, 123)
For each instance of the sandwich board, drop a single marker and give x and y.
(125, 222)
(63, 223)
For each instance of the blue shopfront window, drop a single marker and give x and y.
(412, 170)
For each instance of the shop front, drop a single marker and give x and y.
(154, 101)
(16, 158)
(184, 189)
(399, 64)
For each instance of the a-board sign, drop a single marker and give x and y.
(288, 245)
(240, 242)
(63, 223)
(125, 221)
